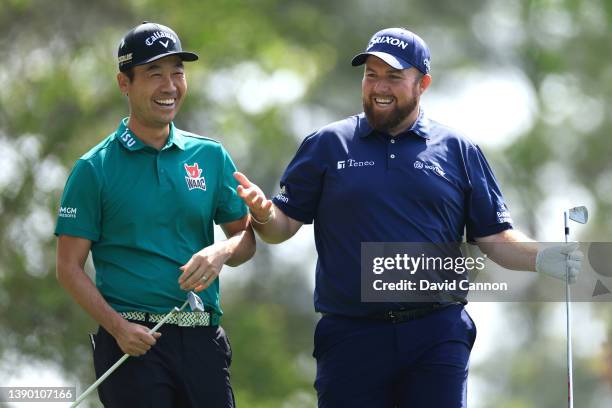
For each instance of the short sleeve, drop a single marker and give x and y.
(486, 210)
(301, 184)
(80, 208)
(230, 206)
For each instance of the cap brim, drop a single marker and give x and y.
(393, 61)
(185, 56)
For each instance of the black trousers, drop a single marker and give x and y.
(187, 368)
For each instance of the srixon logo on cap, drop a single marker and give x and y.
(385, 39)
(158, 35)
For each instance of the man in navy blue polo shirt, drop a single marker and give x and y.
(392, 174)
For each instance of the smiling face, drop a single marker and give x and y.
(391, 96)
(155, 93)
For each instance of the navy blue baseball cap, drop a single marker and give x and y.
(399, 48)
(148, 42)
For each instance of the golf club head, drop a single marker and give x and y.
(579, 214)
(195, 303)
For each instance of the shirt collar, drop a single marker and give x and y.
(175, 138)
(131, 142)
(421, 126)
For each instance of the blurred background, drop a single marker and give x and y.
(529, 80)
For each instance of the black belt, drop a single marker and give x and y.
(401, 315)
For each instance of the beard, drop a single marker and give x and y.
(388, 121)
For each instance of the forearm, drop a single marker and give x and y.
(278, 229)
(240, 247)
(85, 293)
(510, 249)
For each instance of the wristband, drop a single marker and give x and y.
(267, 220)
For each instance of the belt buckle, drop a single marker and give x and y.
(392, 316)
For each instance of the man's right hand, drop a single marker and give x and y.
(259, 206)
(134, 339)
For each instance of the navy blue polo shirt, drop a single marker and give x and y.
(426, 184)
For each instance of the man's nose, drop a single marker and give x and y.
(381, 85)
(168, 84)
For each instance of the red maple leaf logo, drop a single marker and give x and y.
(193, 171)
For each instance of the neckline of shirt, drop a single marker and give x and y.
(130, 140)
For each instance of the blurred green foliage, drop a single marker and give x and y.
(58, 98)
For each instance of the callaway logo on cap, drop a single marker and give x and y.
(399, 48)
(148, 42)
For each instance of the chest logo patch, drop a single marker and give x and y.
(432, 167)
(194, 177)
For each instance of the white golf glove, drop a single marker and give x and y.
(555, 260)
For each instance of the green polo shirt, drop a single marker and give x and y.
(147, 212)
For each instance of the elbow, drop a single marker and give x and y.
(276, 237)
(60, 273)
(66, 272)
(273, 240)
(246, 254)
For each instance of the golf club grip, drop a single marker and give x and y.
(570, 369)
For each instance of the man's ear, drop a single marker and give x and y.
(425, 82)
(123, 81)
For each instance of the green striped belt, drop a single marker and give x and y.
(183, 319)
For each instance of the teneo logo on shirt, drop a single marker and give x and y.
(67, 212)
(436, 169)
(194, 177)
(354, 163)
(158, 35)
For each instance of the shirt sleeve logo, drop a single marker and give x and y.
(194, 177)
(503, 215)
(67, 212)
(282, 195)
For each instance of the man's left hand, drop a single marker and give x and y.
(554, 261)
(203, 268)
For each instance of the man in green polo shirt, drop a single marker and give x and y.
(143, 201)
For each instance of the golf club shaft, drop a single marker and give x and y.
(568, 324)
(122, 359)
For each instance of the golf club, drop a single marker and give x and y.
(195, 304)
(581, 216)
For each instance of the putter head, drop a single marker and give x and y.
(195, 303)
(579, 214)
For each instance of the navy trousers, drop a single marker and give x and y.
(187, 368)
(421, 363)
